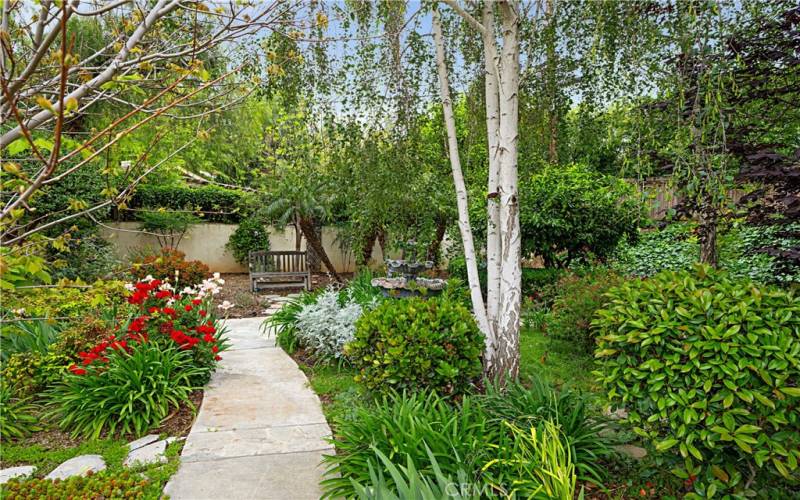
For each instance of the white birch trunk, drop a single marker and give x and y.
(461, 190)
(493, 202)
(507, 355)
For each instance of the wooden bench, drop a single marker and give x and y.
(279, 270)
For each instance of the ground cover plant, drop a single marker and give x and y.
(707, 367)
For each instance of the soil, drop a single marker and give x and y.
(179, 422)
(247, 304)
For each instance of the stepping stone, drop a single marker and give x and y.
(12, 472)
(78, 466)
(632, 451)
(150, 454)
(142, 441)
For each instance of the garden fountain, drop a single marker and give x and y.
(403, 280)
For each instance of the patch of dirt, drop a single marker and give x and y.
(180, 421)
(247, 304)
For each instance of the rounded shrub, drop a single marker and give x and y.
(708, 369)
(251, 235)
(415, 344)
(166, 263)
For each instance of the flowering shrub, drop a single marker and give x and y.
(170, 264)
(324, 327)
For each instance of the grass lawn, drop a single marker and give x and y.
(335, 387)
(556, 361)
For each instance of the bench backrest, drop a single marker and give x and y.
(278, 262)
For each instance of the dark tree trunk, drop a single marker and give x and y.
(434, 249)
(366, 250)
(298, 235)
(707, 234)
(315, 244)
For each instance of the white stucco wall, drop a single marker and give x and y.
(206, 242)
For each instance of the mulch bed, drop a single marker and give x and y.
(179, 423)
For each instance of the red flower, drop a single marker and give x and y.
(168, 310)
(208, 337)
(197, 302)
(137, 297)
(76, 370)
(163, 294)
(206, 329)
(217, 358)
(153, 310)
(215, 349)
(188, 307)
(202, 313)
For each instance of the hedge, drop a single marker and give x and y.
(214, 204)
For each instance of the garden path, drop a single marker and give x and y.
(260, 432)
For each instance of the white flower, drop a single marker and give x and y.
(221, 281)
(148, 279)
(216, 276)
(129, 287)
(187, 291)
(166, 286)
(226, 305)
(20, 311)
(170, 301)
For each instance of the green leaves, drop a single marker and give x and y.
(719, 382)
(416, 343)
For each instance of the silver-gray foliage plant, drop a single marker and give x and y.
(326, 326)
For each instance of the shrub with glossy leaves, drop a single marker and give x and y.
(251, 235)
(708, 369)
(131, 392)
(417, 344)
(572, 212)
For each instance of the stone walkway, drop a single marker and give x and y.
(260, 432)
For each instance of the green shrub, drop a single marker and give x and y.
(164, 265)
(215, 204)
(537, 403)
(579, 296)
(65, 301)
(573, 212)
(30, 373)
(416, 344)
(251, 235)
(17, 415)
(105, 484)
(708, 369)
(406, 427)
(130, 394)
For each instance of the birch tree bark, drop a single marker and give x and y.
(507, 355)
(493, 203)
(464, 227)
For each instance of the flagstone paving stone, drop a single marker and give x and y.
(260, 432)
(10, 473)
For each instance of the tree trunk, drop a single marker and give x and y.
(298, 235)
(366, 250)
(315, 244)
(707, 234)
(433, 252)
(507, 356)
(461, 191)
(493, 202)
